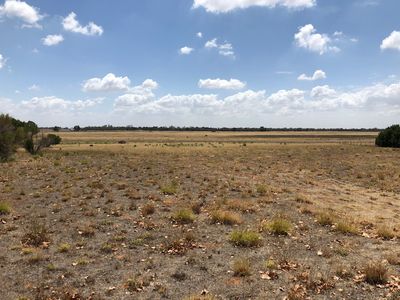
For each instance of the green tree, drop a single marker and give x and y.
(390, 137)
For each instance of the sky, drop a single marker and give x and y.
(219, 63)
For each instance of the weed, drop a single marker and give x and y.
(170, 188)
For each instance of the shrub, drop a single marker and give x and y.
(390, 137)
(245, 238)
(241, 267)
(183, 216)
(376, 273)
(4, 208)
(225, 217)
(54, 139)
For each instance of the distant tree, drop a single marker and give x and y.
(77, 128)
(390, 137)
(56, 129)
(54, 139)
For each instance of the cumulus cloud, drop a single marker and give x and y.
(232, 84)
(110, 82)
(309, 39)
(379, 97)
(225, 49)
(52, 40)
(21, 10)
(57, 105)
(70, 23)
(2, 61)
(318, 75)
(185, 50)
(224, 6)
(392, 41)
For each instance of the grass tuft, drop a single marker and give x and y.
(245, 238)
(225, 217)
(183, 216)
(376, 273)
(5, 208)
(241, 267)
(279, 226)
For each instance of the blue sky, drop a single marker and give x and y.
(281, 63)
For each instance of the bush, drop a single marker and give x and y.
(54, 139)
(390, 137)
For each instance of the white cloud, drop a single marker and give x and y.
(34, 87)
(199, 34)
(318, 75)
(70, 23)
(232, 84)
(2, 61)
(149, 84)
(309, 39)
(225, 49)
(57, 105)
(380, 97)
(224, 6)
(21, 10)
(392, 41)
(110, 82)
(52, 40)
(185, 50)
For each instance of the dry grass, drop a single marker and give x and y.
(226, 217)
(385, 232)
(148, 209)
(346, 227)
(376, 273)
(241, 267)
(325, 218)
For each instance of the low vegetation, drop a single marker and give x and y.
(245, 238)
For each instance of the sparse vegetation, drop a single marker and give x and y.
(105, 216)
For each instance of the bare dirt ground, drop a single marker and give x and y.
(202, 216)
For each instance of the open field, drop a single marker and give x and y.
(182, 215)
